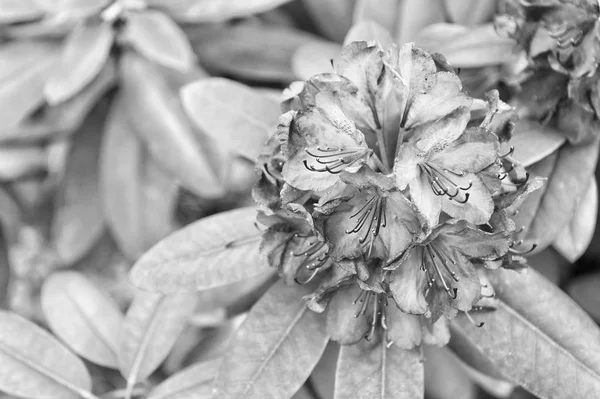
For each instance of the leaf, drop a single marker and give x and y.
(444, 377)
(372, 370)
(54, 122)
(139, 199)
(219, 11)
(250, 51)
(574, 239)
(84, 54)
(87, 319)
(156, 112)
(466, 47)
(77, 8)
(545, 213)
(33, 363)
(158, 38)
(220, 106)
(383, 12)
(584, 291)
(367, 31)
(533, 142)
(78, 222)
(20, 162)
(5, 271)
(314, 58)
(12, 11)
(275, 349)
(414, 15)
(193, 382)
(151, 327)
(538, 337)
(215, 251)
(24, 69)
(470, 12)
(333, 18)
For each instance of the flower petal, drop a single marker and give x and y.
(342, 325)
(478, 208)
(404, 329)
(406, 165)
(438, 135)
(428, 203)
(470, 155)
(408, 282)
(471, 242)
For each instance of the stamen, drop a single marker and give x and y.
(478, 325)
(335, 160)
(372, 212)
(445, 262)
(510, 151)
(308, 280)
(452, 292)
(517, 252)
(441, 184)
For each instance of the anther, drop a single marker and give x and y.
(478, 325)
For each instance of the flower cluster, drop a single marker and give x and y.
(384, 189)
(562, 41)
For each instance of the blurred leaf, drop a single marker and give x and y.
(215, 251)
(323, 375)
(372, 370)
(275, 349)
(584, 290)
(192, 382)
(533, 142)
(4, 260)
(216, 10)
(528, 340)
(85, 52)
(220, 106)
(414, 15)
(51, 26)
(314, 58)
(139, 199)
(24, 69)
(87, 319)
(550, 264)
(467, 47)
(498, 388)
(78, 222)
(76, 8)
(257, 52)
(574, 239)
(383, 12)
(546, 212)
(333, 17)
(34, 363)
(443, 376)
(158, 38)
(156, 113)
(470, 12)
(53, 122)
(21, 162)
(151, 327)
(367, 31)
(12, 11)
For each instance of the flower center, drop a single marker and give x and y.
(377, 303)
(316, 256)
(373, 216)
(442, 182)
(432, 262)
(333, 160)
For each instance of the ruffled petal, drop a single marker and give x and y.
(406, 165)
(408, 283)
(479, 206)
(428, 203)
(342, 325)
(472, 242)
(469, 156)
(436, 136)
(435, 333)
(404, 329)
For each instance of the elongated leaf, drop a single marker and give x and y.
(84, 54)
(251, 51)
(12, 11)
(584, 290)
(470, 12)
(275, 349)
(383, 12)
(24, 70)
(53, 122)
(369, 30)
(139, 199)
(218, 250)
(314, 58)
(34, 364)
(76, 8)
(538, 337)
(372, 370)
(547, 212)
(414, 15)
(78, 221)
(155, 112)
(83, 316)
(467, 47)
(533, 142)
(220, 106)
(192, 382)
(574, 239)
(19, 162)
(157, 37)
(152, 325)
(217, 10)
(333, 18)
(4, 257)
(443, 376)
